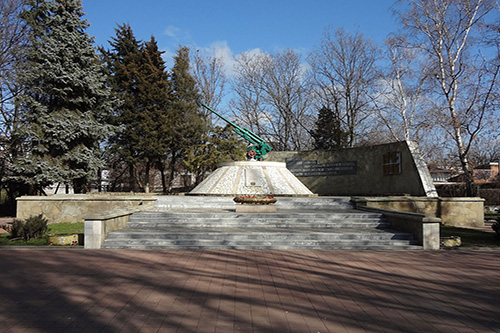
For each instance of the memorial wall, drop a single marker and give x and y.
(382, 170)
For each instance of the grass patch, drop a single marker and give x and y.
(471, 237)
(5, 241)
(66, 228)
(53, 229)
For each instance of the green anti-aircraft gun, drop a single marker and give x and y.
(259, 146)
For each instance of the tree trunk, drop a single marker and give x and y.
(80, 186)
(131, 170)
(161, 167)
(470, 188)
(146, 176)
(172, 173)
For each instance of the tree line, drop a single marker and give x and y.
(70, 110)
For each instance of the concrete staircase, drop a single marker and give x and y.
(185, 222)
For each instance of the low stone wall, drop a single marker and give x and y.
(426, 229)
(98, 225)
(74, 207)
(458, 212)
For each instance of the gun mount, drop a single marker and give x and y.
(258, 147)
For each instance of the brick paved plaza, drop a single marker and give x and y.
(249, 291)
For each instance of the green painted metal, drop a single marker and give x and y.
(258, 148)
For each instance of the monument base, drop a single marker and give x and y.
(252, 208)
(252, 178)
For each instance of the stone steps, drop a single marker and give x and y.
(277, 238)
(250, 225)
(292, 219)
(179, 202)
(256, 233)
(300, 223)
(266, 245)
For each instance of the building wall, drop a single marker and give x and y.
(486, 175)
(388, 169)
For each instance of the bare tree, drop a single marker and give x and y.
(487, 151)
(272, 98)
(211, 79)
(343, 67)
(248, 106)
(287, 92)
(443, 30)
(13, 41)
(400, 99)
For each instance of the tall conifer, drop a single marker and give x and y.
(188, 124)
(139, 78)
(124, 63)
(154, 97)
(65, 98)
(329, 133)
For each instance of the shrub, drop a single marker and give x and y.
(32, 227)
(491, 196)
(496, 227)
(17, 229)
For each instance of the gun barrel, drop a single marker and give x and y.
(220, 116)
(245, 133)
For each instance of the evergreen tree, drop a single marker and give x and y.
(188, 125)
(124, 64)
(139, 78)
(329, 133)
(65, 98)
(154, 97)
(219, 145)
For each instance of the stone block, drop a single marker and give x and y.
(462, 212)
(252, 208)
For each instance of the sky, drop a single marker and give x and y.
(237, 26)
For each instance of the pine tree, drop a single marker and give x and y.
(188, 125)
(65, 98)
(219, 145)
(329, 133)
(139, 78)
(155, 97)
(124, 63)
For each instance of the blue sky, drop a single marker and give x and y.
(236, 25)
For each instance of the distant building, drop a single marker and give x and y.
(486, 173)
(440, 175)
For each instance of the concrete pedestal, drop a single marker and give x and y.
(252, 178)
(251, 208)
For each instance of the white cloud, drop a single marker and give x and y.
(254, 52)
(172, 31)
(221, 50)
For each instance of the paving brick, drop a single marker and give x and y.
(249, 291)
